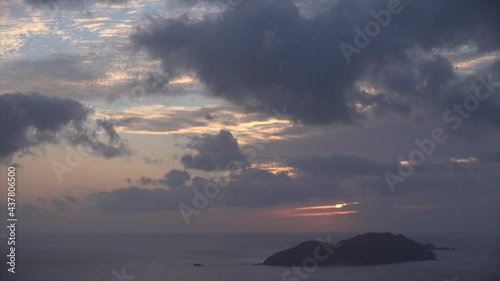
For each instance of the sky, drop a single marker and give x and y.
(165, 116)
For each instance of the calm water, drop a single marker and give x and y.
(229, 257)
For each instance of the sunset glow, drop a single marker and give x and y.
(189, 139)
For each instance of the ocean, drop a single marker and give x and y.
(170, 257)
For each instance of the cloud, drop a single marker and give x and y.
(260, 188)
(60, 67)
(175, 178)
(458, 92)
(32, 119)
(59, 204)
(159, 125)
(490, 157)
(147, 181)
(56, 6)
(115, 145)
(182, 120)
(61, 74)
(338, 165)
(136, 199)
(262, 79)
(293, 179)
(251, 188)
(338, 177)
(264, 54)
(214, 152)
(448, 176)
(71, 199)
(153, 160)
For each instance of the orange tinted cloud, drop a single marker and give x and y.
(321, 214)
(316, 211)
(322, 207)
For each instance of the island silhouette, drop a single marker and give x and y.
(365, 249)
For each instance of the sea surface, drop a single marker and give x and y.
(170, 257)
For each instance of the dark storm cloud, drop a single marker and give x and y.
(32, 119)
(21, 113)
(490, 157)
(59, 204)
(250, 188)
(147, 181)
(338, 165)
(264, 55)
(401, 80)
(450, 181)
(368, 173)
(488, 109)
(136, 199)
(447, 176)
(257, 188)
(320, 176)
(175, 178)
(261, 188)
(243, 71)
(477, 96)
(214, 152)
(71, 199)
(115, 146)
